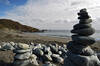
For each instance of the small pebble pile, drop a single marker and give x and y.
(79, 51)
(23, 55)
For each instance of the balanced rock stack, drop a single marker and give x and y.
(24, 56)
(79, 53)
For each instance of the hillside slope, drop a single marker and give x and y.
(13, 25)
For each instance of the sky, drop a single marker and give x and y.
(49, 14)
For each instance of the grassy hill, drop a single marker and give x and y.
(13, 25)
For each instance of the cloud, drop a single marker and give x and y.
(7, 2)
(53, 14)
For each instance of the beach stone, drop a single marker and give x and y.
(39, 46)
(57, 59)
(80, 49)
(33, 62)
(85, 21)
(48, 64)
(33, 56)
(83, 40)
(50, 53)
(47, 58)
(38, 52)
(80, 60)
(7, 47)
(60, 52)
(64, 46)
(23, 46)
(12, 43)
(84, 32)
(54, 49)
(81, 26)
(22, 56)
(98, 55)
(22, 51)
(63, 50)
(21, 63)
(46, 50)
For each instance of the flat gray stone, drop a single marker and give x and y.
(21, 51)
(81, 26)
(23, 46)
(83, 40)
(84, 32)
(79, 49)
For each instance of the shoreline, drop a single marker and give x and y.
(35, 38)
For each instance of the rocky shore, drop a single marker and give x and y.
(36, 54)
(33, 54)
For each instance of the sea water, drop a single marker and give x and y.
(64, 33)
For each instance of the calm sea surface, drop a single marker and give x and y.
(64, 33)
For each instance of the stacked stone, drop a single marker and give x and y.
(80, 54)
(23, 55)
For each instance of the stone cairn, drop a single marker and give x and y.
(79, 51)
(24, 56)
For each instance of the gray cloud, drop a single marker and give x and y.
(53, 14)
